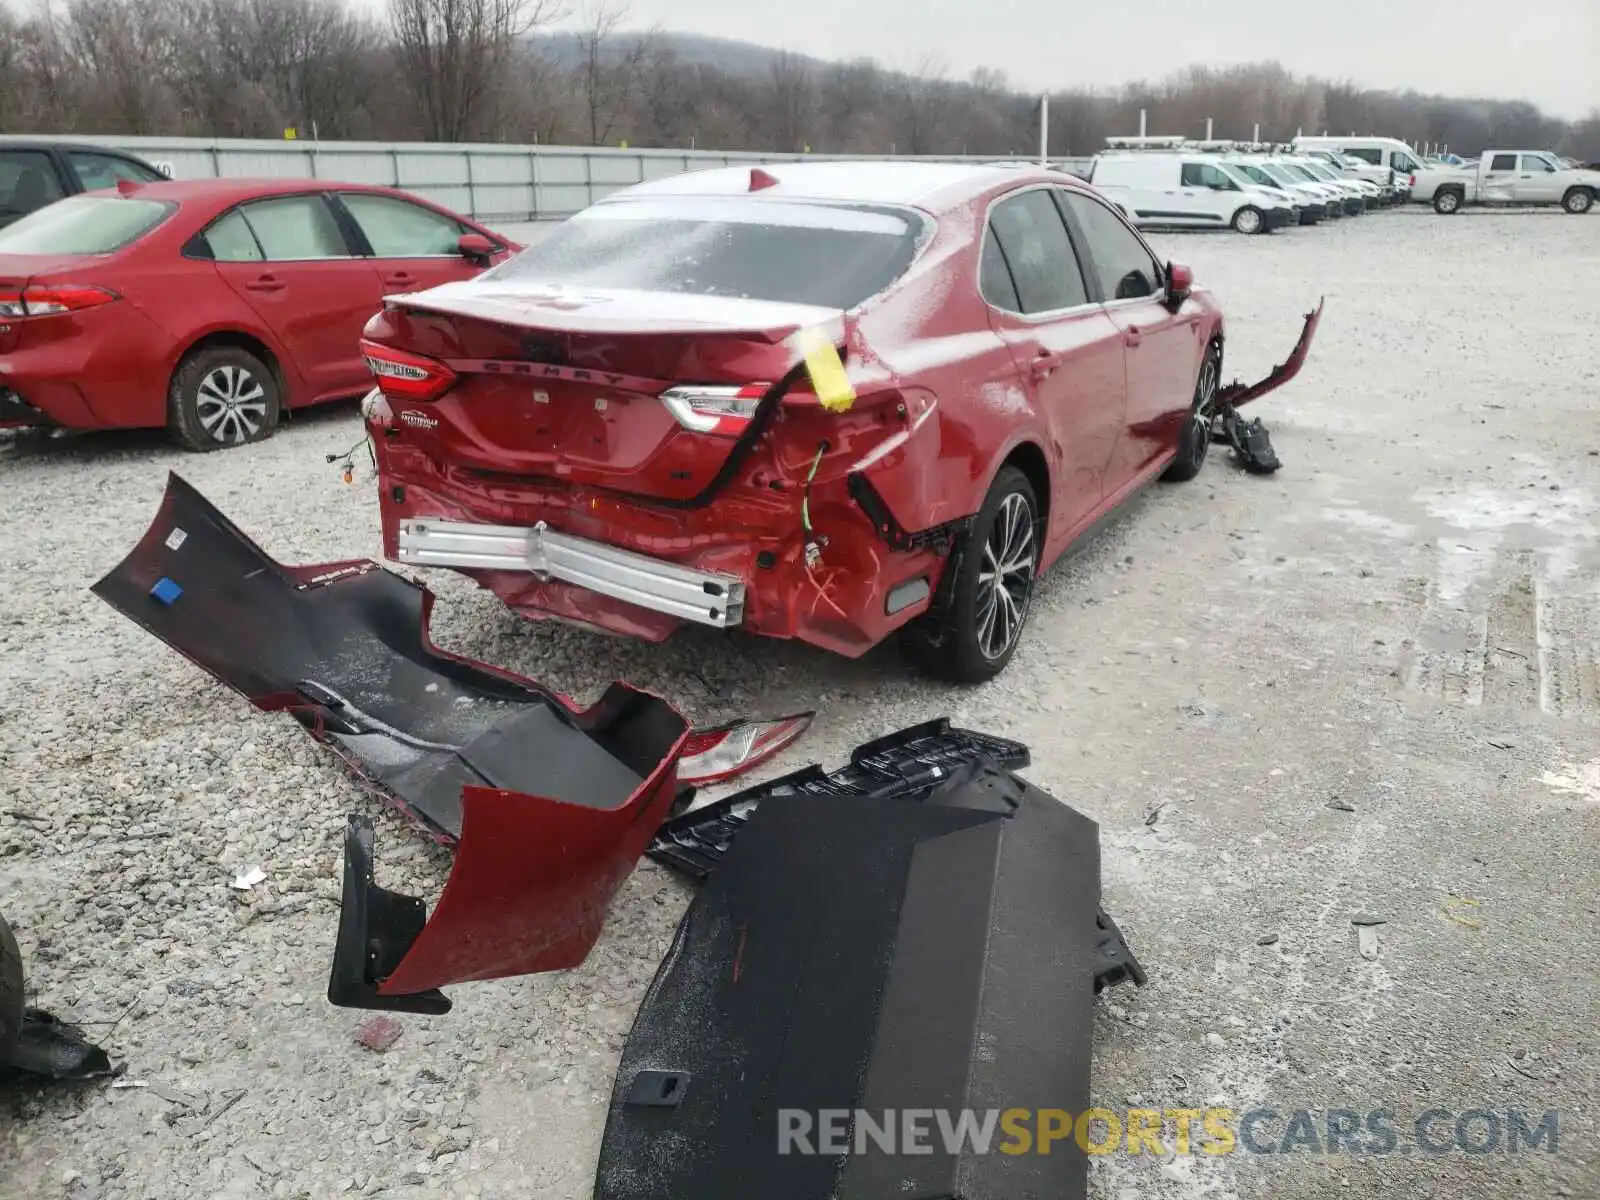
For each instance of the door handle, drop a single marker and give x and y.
(1132, 336)
(265, 283)
(401, 277)
(1044, 362)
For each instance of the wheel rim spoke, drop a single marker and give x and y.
(1005, 579)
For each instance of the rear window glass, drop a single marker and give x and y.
(826, 255)
(83, 225)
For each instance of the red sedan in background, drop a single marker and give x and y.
(210, 306)
(824, 401)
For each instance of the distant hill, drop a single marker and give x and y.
(744, 59)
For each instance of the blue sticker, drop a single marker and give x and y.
(165, 590)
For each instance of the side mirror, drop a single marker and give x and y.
(1180, 282)
(476, 247)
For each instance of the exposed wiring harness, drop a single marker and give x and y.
(814, 542)
(347, 459)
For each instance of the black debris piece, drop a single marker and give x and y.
(906, 763)
(1252, 446)
(33, 1044)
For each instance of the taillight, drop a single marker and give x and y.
(711, 408)
(405, 376)
(50, 300)
(714, 755)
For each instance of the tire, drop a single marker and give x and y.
(222, 396)
(11, 1007)
(967, 639)
(1194, 439)
(1578, 200)
(1249, 219)
(1447, 201)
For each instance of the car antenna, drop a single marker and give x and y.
(128, 187)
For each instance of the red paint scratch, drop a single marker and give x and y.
(738, 957)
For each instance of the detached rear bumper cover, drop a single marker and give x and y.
(343, 647)
(870, 954)
(1238, 393)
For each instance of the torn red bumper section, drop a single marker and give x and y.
(553, 804)
(1237, 392)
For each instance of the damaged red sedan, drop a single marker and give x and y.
(830, 402)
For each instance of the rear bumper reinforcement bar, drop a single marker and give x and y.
(700, 596)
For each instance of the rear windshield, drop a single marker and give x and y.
(83, 225)
(834, 256)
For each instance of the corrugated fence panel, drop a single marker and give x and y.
(488, 181)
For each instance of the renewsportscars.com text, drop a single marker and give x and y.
(1162, 1132)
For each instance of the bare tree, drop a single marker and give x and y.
(791, 102)
(612, 67)
(455, 57)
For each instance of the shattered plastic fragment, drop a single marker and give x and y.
(33, 1042)
(245, 880)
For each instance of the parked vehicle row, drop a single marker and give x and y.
(1174, 183)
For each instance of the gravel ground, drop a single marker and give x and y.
(1369, 684)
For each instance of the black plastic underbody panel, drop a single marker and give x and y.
(873, 955)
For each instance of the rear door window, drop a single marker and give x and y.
(295, 228)
(1038, 249)
(1366, 155)
(1503, 162)
(994, 276)
(83, 225)
(231, 240)
(1123, 267)
(399, 229)
(833, 256)
(96, 171)
(27, 181)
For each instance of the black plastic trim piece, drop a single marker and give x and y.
(376, 928)
(888, 525)
(910, 762)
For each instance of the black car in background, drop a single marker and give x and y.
(33, 174)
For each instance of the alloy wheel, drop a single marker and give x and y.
(232, 404)
(1005, 577)
(1205, 398)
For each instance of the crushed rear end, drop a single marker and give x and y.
(634, 459)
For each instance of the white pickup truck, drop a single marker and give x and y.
(1507, 177)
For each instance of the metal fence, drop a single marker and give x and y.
(489, 182)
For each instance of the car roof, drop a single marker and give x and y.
(229, 190)
(43, 144)
(931, 186)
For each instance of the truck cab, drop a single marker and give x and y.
(37, 172)
(1509, 177)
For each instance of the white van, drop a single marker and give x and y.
(1375, 151)
(1189, 191)
(1316, 201)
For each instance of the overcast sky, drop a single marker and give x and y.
(1547, 51)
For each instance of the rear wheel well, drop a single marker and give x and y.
(1030, 460)
(232, 339)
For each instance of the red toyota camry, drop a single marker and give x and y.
(823, 401)
(210, 306)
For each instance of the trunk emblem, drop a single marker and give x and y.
(541, 397)
(599, 404)
(419, 420)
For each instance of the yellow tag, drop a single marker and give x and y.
(291, 134)
(828, 378)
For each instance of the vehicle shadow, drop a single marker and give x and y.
(35, 445)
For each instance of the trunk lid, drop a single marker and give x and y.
(566, 384)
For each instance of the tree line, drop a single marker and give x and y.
(494, 71)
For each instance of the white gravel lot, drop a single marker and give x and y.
(1404, 622)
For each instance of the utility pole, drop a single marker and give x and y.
(1044, 130)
